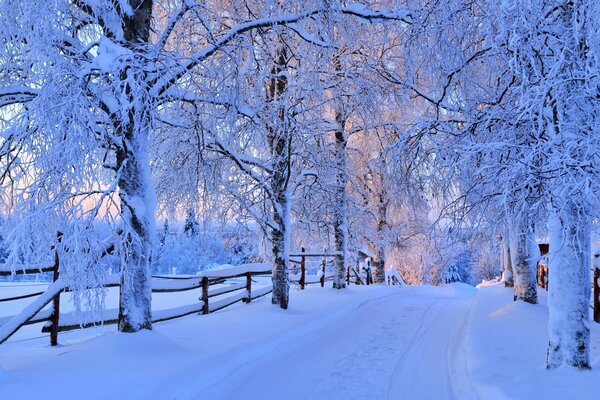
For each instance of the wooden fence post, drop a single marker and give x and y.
(205, 295)
(248, 286)
(302, 270)
(54, 318)
(323, 275)
(596, 295)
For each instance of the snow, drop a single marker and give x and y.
(235, 297)
(108, 54)
(506, 343)
(378, 341)
(31, 310)
(237, 270)
(177, 311)
(224, 289)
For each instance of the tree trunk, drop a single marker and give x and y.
(573, 130)
(569, 293)
(281, 286)
(137, 210)
(280, 142)
(136, 191)
(507, 269)
(340, 218)
(524, 254)
(379, 256)
(379, 266)
(281, 242)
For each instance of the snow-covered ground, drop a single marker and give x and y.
(506, 343)
(369, 342)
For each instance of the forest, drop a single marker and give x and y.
(443, 141)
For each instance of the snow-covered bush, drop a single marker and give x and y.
(200, 248)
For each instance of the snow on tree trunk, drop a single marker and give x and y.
(572, 105)
(136, 195)
(279, 138)
(379, 266)
(524, 254)
(340, 218)
(136, 192)
(281, 242)
(379, 256)
(569, 288)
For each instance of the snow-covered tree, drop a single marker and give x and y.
(191, 225)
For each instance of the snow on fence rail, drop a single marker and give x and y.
(33, 313)
(20, 269)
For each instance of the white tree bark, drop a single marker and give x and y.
(279, 139)
(569, 287)
(281, 242)
(136, 192)
(507, 271)
(524, 254)
(137, 210)
(379, 255)
(340, 218)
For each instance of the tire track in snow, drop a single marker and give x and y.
(434, 364)
(364, 372)
(392, 391)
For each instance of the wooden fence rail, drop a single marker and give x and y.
(16, 269)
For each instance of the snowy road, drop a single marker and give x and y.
(398, 346)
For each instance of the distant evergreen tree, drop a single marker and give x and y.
(165, 232)
(191, 227)
(452, 275)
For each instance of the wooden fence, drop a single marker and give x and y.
(596, 294)
(353, 275)
(209, 284)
